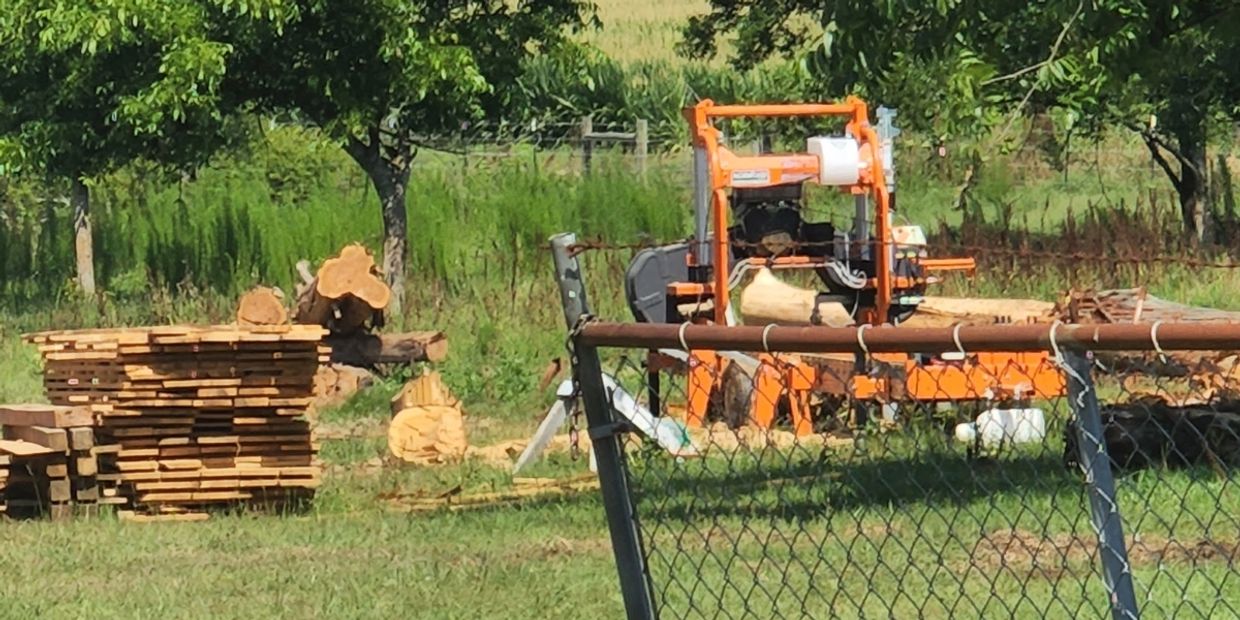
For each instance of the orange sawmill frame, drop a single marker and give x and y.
(785, 168)
(988, 375)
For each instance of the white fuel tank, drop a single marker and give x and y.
(839, 159)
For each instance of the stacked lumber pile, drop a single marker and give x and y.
(1137, 306)
(48, 463)
(188, 418)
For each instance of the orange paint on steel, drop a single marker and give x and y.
(704, 370)
(768, 389)
(721, 257)
(948, 264)
(801, 380)
(690, 289)
(789, 109)
(790, 168)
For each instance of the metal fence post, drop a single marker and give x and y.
(605, 438)
(1096, 463)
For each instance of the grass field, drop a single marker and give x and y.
(643, 30)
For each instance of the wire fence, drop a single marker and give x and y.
(1040, 470)
(1041, 154)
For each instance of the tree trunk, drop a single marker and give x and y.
(388, 169)
(1194, 207)
(391, 187)
(83, 240)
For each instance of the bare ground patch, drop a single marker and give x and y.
(1025, 553)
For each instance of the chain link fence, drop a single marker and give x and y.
(999, 471)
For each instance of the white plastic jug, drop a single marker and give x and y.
(1004, 426)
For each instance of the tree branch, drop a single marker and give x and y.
(1153, 145)
(1015, 74)
(1156, 145)
(366, 154)
(1050, 57)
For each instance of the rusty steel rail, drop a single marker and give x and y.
(888, 339)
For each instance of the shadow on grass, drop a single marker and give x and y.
(800, 484)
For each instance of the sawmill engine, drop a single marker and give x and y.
(769, 224)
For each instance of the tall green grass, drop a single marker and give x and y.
(227, 229)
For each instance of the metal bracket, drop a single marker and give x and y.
(607, 431)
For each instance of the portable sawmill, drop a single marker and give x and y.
(750, 212)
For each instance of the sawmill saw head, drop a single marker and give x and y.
(750, 212)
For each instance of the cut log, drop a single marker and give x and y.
(370, 349)
(767, 299)
(426, 390)
(353, 273)
(45, 415)
(344, 294)
(335, 383)
(428, 434)
(1150, 433)
(262, 306)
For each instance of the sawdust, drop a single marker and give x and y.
(718, 437)
(1026, 553)
(523, 490)
(505, 453)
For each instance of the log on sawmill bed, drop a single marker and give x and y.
(1152, 434)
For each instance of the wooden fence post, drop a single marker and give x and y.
(587, 143)
(642, 145)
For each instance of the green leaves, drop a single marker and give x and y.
(1097, 57)
(107, 81)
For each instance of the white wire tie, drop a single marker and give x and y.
(1059, 360)
(684, 345)
(861, 338)
(1162, 355)
(1055, 345)
(766, 346)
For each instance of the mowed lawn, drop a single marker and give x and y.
(904, 526)
(350, 556)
